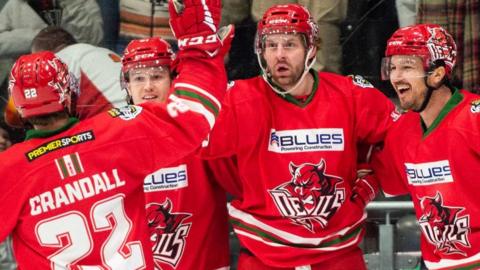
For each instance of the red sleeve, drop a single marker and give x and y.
(225, 173)
(389, 170)
(375, 114)
(180, 126)
(223, 138)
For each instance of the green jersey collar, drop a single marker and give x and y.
(454, 100)
(34, 133)
(295, 101)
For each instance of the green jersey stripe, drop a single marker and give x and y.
(265, 235)
(76, 162)
(194, 95)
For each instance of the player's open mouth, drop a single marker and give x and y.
(150, 97)
(282, 68)
(402, 89)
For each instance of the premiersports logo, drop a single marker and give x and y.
(311, 197)
(166, 179)
(306, 140)
(443, 226)
(59, 143)
(428, 173)
(168, 232)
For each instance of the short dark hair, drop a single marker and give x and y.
(52, 38)
(43, 120)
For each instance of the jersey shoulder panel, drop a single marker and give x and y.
(247, 90)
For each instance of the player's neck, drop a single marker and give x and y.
(305, 87)
(55, 125)
(437, 102)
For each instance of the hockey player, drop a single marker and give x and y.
(294, 132)
(71, 192)
(186, 207)
(433, 151)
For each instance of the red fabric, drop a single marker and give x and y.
(53, 203)
(281, 216)
(439, 168)
(350, 260)
(197, 206)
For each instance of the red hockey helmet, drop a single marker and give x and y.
(40, 84)
(148, 52)
(286, 19)
(430, 42)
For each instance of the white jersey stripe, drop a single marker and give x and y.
(292, 238)
(348, 243)
(447, 263)
(199, 108)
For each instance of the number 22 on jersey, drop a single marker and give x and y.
(73, 226)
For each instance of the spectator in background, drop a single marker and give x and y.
(4, 139)
(328, 14)
(242, 62)
(21, 20)
(143, 18)
(461, 18)
(96, 68)
(406, 11)
(368, 26)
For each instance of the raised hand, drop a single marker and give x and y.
(195, 25)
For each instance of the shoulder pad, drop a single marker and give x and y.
(360, 81)
(126, 113)
(230, 84)
(475, 106)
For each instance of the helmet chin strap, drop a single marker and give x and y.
(425, 102)
(284, 92)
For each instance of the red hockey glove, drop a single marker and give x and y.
(195, 25)
(365, 188)
(226, 34)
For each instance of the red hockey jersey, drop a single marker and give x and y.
(187, 215)
(75, 199)
(297, 165)
(439, 167)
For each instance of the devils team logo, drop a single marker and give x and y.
(311, 197)
(443, 226)
(439, 47)
(167, 232)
